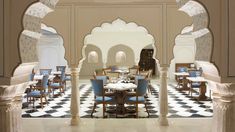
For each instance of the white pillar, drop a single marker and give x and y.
(75, 97)
(10, 107)
(224, 108)
(163, 97)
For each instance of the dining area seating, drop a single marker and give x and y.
(114, 89)
(191, 80)
(44, 83)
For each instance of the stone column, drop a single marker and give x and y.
(224, 108)
(75, 97)
(163, 97)
(10, 107)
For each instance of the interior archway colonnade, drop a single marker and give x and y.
(199, 28)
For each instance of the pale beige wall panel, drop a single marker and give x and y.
(176, 21)
(1, 38)
(88, 18)
(60, 19)
(231, 60)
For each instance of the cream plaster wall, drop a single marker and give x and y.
(231, 48)
(88, 16)
(87, 69)
(1, 38)
(13, 13)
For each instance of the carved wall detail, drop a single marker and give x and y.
(203, 37)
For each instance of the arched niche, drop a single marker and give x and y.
(130, 56)
(120, 57)
(119, 32)
(93, 57)
(87, 68)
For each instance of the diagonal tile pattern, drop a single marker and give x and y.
(180, 106)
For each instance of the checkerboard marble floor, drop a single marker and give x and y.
(180, 105)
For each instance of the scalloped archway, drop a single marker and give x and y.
(202, 36)
(119, 32)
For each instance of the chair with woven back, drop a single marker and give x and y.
(100, 96)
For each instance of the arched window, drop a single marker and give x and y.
(120, 57)
(93, 57)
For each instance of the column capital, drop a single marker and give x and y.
(225, 90)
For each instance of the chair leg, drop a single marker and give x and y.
(46, 100)
(146, 108)
(33, 102)
(136, 110)
(41, 102)
(93, 109)
(104, 110)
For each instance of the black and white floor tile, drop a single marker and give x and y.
(180, 105)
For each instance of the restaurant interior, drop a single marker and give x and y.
(117, 80)
(108, 66)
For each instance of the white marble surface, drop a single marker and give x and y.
(120, 86)
(117, 125)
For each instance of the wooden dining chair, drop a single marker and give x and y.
(40, 91)
(100, 96)
(194, 85)
(181, 80)
(45, 71)
(60, 68)
(59, 83)
(139, 96)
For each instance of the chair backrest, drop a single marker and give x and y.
(150, 73)
(113, 68)
(104, 78)
(113, 75)
(97, 86)
(106, 70)
(133, 71)
(60, 68)
(45, 71)
(195, 73)
(45, 81)
(31, 76)
(62, 76)
(141, 87)
(138, 77)
(144, 73)
(182, 69)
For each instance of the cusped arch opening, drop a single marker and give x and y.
(200, 37)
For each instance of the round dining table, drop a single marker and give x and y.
(121, 89)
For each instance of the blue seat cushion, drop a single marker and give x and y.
(134, 99)
(106, 99)
(36, 93)
(55, 85)
(196, 85)
(67, 78)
